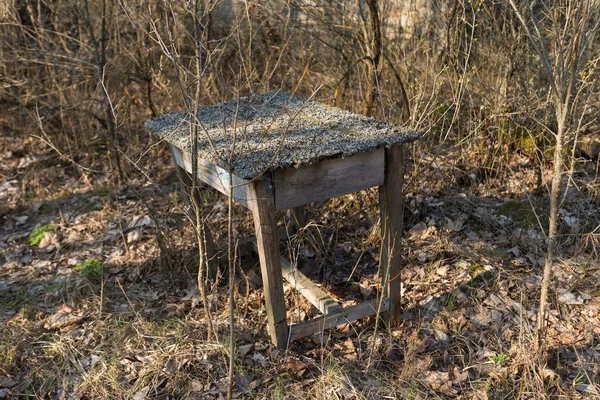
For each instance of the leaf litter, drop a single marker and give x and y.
(470, 286)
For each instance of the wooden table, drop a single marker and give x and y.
(289, 152)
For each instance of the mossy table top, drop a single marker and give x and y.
(276, 130)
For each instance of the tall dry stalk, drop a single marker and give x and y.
(561, 43)
(200, 22)
(99, 42)
(189, 78)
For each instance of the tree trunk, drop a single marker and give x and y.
(553, 228)
(374, 59)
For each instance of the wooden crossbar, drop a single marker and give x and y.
(334, 319)
(307, 288)
(333, 313)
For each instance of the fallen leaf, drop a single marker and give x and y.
(480, 394)
(435, 379)
(569, 298)
(49, 239)
(441, 337)
(486, 317)
(65, 308)
(532, 281)
(449, 390)
(418, 231)
(295, 365)
(196, 386)
(456, 225)
(442, 271)
(245, 349)
(63, 318)
(134, 235)
(140, 222)
(462, 298)
(549, 374)
(484, 354)
(365, 290)
(342, 388)
(590, 389)
(6, 382)
(457, 376)
(142, 394)
(94, 359)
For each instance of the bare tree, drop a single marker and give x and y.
(373, 58)
(99, 40)
(560, 39)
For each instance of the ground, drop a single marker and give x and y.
(98, 294)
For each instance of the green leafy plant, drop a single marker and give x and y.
(90, 268)
(38, 234)
(452, 301)
(500, 358)
(474, 270)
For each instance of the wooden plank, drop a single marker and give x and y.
(327, 179)
(261, 202)
(307, 288)
(392, 209)
(214, 176)
(337, 318)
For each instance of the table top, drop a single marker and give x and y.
(276, 130)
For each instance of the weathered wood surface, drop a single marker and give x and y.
(392, 208)
(328, 178)
(307, 288)
(214, 176)
(261, 202)
(275, 131)
(343, 316)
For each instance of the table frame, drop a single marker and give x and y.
(293, 188)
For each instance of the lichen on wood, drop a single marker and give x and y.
(277, 130)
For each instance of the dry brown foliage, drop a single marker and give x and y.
(105, 304)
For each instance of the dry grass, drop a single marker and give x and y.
(474, 249)
(470, 303)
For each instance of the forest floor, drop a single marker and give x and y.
(98, 294)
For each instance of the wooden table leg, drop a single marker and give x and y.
(211, 254)
(392, 208)
(262, 204)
